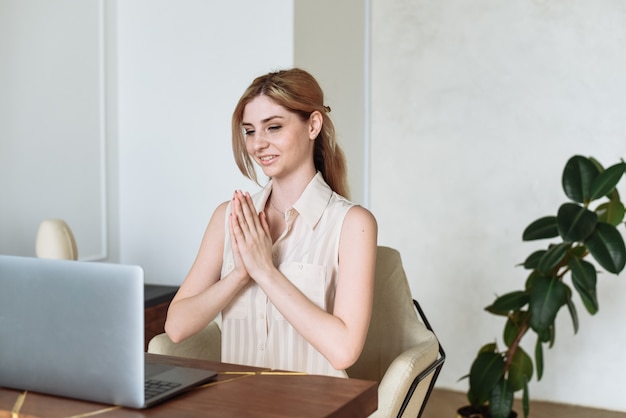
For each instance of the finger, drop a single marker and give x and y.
(258, 223)
(235, 230)
(239, 215)
(264, 224)
(247, 225)
(237, 258)
(249, 213)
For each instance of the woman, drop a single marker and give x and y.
(291, 268)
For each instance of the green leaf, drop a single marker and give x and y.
(513, 326)
(584, 278)
(487, 369)
(597, 164)
(606, 245)
(520, 370)
(579, 251)
(546, 298)
(572, 312)
(539, 358)
(611, 212)
(510, 332)
(533, 260)
(544, 336)
(509, 302)
(575, 223)
(532, 277)
(541, 228)
(488, 348)
(553, 257)
(552, 335)
(578, 175)
(606, 181)
(501, 400)
(525, 403)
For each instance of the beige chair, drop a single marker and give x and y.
(205, 345)
(55, 240)
(401, 352)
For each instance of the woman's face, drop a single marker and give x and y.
(278, 140)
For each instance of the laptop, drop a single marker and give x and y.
(76, 329)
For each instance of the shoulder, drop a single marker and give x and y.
(221, 211)
(358, 240)
(218, 219)
(359, 219)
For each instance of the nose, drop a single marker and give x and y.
(259, 142)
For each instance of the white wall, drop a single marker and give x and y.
(476, 107)
(52, 128)
(335, 54)
(181, 67)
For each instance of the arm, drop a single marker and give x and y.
(203, 295)
(339, 336)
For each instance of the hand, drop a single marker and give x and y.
(252, 244)
(239, 270)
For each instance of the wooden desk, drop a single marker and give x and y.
(238, 391)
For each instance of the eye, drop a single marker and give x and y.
(274, 128)
(248, 132)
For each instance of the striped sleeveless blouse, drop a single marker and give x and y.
(253, 331)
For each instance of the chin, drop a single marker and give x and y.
(270, 171)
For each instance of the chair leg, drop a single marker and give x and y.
(431, 386)
(434, 368)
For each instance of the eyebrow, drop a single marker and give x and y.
(265, 120)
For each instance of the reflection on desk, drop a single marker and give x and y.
(237, 391)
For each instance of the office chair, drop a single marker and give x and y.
(401, 352)
(55, 240)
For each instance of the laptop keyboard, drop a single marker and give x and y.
(154, 387)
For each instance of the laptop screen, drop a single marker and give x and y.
(72, 328)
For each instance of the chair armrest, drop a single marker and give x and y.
(399, 377)
(205, 345)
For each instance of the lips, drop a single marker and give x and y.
(267, 159)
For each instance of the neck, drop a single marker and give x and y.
(286, 192)
(282, 212)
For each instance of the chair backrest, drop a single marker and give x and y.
(395, 326)
(55, 240)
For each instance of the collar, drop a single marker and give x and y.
(311, 203)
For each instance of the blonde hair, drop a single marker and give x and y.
(297, 91)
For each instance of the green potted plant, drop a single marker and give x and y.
(556, 274)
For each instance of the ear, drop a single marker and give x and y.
(316, 120)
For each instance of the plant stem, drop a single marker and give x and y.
(513, 347)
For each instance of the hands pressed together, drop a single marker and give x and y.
(250, 238)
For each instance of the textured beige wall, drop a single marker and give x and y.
(476, 107)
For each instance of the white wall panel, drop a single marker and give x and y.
(182, 66)
(51, 122)
(335, 54)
